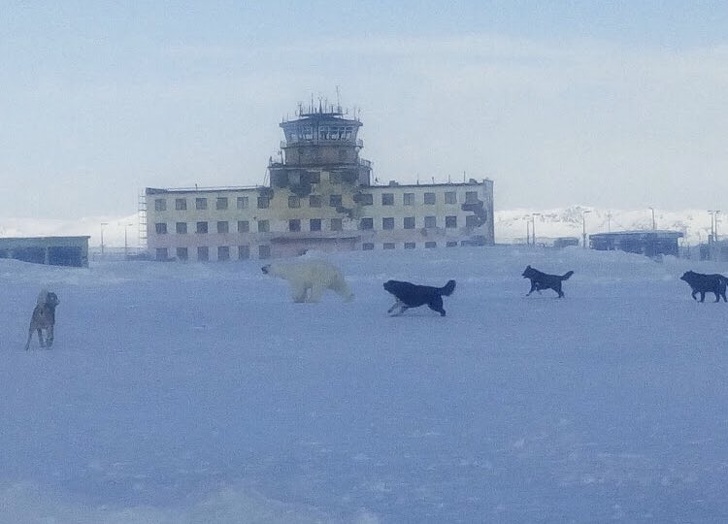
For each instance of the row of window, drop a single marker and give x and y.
(224, 252)
(315, 224)
(203, 253)
(365, 199)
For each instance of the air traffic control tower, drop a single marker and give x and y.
(320, 140)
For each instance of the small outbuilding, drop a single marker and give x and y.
(650, 243)
(53, 251)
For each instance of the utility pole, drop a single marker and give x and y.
(653, 218)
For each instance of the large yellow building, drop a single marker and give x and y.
(320, 197)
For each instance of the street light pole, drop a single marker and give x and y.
(102, 236)
(126, 244)
(653, 218)
(533, 226)
(583, 227)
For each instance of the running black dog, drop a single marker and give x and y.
(703, 284)
(541, 280)
(413, 295)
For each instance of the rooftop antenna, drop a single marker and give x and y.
(338, 100)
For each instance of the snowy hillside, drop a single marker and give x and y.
(511, 226)
(200, 394)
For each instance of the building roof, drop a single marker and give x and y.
(664, 233)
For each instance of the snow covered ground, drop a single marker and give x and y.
(200, 394)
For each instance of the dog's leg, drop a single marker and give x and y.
(436, 305)
(49, 336)
(395, 305)
(40, 338)
(702, 296)
(533, 288)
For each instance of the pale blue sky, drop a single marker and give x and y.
(608, 104)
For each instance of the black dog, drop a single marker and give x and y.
(413, 295)
(703, 284)
(541, 280)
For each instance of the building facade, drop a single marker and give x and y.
(54, 251)
(319, 197)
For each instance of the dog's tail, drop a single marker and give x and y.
(566, 275)
(448, 288)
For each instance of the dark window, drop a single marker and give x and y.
(294, 201)
(367, 246)
(181, 228)
(471, 197)
(200, 203)
(472, 221)
(201, 227)
(263, 202)
(294, 225)
(429, 198)
(387, 199)
(263, 226)
(366, 199)
(314, 224)
(160, 228)
(264, 251)
(430, 245)
(221, 203)
(243, 226)
(337, 224)
(451, 197)
(160, 204)
(409, 245)
(314, 201)
(388, 245)
(408, 199)
(180, 204)
(409, 222)
(243, 202)
(223, 253)
(161, 253)
(243, 252)
(366, 223)
(388, 223)
(223, 227)
(182, 253)
(335, 200)
(203, 253)
(451, 221)
(430, 222)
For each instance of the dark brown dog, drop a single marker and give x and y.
(541, 280)
(43, 319)
(703, 284)
(410, 295)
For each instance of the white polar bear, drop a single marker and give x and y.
(310, 278)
